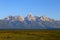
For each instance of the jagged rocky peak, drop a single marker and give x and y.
(14, 18)
(20, 18)
(9, 18)
(44, 18)
(30, 17)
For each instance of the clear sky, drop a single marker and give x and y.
(50, 8)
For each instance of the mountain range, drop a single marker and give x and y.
(29, 22)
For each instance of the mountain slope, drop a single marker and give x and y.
(29, 22)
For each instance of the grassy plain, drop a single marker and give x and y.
(29, 34)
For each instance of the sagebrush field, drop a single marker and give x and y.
(29, 34)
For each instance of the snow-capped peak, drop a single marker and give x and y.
(44, 18)
(9, 18)
(21, 18)
(30, 17)
(14, 18)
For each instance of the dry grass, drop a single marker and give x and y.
(29, 34)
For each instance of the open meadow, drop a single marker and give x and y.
(29, 34)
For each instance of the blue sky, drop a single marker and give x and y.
(50, 8)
